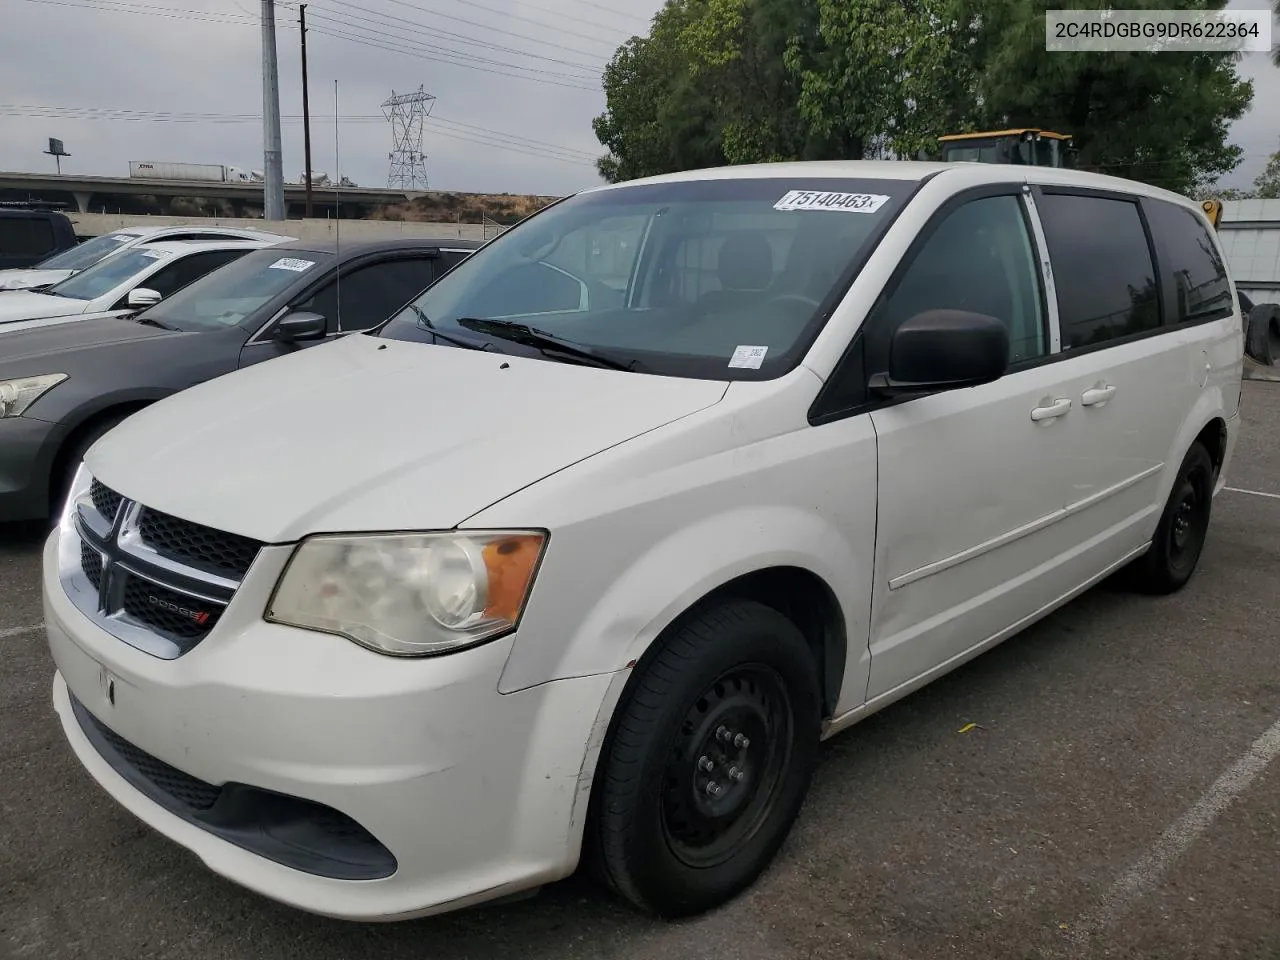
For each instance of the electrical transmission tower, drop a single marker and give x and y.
(407, 111)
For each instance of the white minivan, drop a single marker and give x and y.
(584, 551)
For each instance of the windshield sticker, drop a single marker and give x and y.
(122, 237)
(748, 358)
(291, 263)
(152, 255)
(843, 202)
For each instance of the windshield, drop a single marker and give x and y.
(85, 255)
(105, 276)
(232, 293)
(718, 279)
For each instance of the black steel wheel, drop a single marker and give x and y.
(708, 759)
(1184, 526)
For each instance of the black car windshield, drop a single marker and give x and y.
(85, 255)
(105, 276)
(230, 294)
(717, 279)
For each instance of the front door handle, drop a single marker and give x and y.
(1051, 411)
(1097, 395)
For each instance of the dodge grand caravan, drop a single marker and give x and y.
(585, 550)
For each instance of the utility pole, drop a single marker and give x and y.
(306, 104)
(273, 200)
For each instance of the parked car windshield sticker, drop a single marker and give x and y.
(151, 255)
(291, 263)
(748, 358)
(820, 200)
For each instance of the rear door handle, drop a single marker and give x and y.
(1051, 411)
(1097, 395)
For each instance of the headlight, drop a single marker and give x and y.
(17, 395)
(409, 595)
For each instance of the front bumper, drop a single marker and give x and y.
(26, 455)
(475, 794)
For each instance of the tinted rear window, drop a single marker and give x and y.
(25, 236)
(1201, 289)
(1102, 268)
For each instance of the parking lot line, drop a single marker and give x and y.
(8, 632)
(1253, 493)
(1175, 841)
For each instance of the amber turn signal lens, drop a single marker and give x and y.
(510, 563)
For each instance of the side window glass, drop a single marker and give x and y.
(370, 294)
(1102, 268)
(26, 236)
(980, 259)
(1201, 288)
(173, 277)
(375, 292)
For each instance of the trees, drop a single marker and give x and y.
(739, 81)
(1275, 51)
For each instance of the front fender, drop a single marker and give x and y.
(597, 610)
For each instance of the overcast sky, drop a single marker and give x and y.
(517, 82)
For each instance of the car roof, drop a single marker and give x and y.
(360, 247)
(246, 232)
(195, 246)
(906, 170)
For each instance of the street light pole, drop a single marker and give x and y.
(273, 174)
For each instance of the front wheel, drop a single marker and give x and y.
(709, 759)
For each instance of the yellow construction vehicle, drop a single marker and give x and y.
(1026, 145)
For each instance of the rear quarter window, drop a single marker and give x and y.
(1193, 268)
(1103, 270)
(26, 236)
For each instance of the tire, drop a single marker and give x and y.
(70, 458)
(736, 685)
(1263, 336)
(1179, 538)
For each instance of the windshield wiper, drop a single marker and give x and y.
(424, 323)
(541, 340)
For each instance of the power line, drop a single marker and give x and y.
(509, 33)
(612, 28)
(417, 27)
(409, 51)
(507, 15)
(466, 133)
(433, 50)
(172, 13)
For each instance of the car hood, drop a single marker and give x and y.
(25, 305)
(19, 348)
(374, 434)
(26, 279)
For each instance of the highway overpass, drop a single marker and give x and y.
(87, 194)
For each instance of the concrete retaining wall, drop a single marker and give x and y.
(96, 224)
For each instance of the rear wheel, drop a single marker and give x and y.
(709, 760)
(1180, 536)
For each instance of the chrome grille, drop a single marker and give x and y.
(153, 580)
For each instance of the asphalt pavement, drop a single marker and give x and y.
(1102, 785)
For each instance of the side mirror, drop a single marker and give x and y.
(141, 297)
(301, 326)
(944, 350)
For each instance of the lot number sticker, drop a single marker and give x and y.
(748, 358)
(153, 254)
(842, 202)
(290, 263)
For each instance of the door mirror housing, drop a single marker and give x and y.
(141, 297)
(944, 350)
(301, 325)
